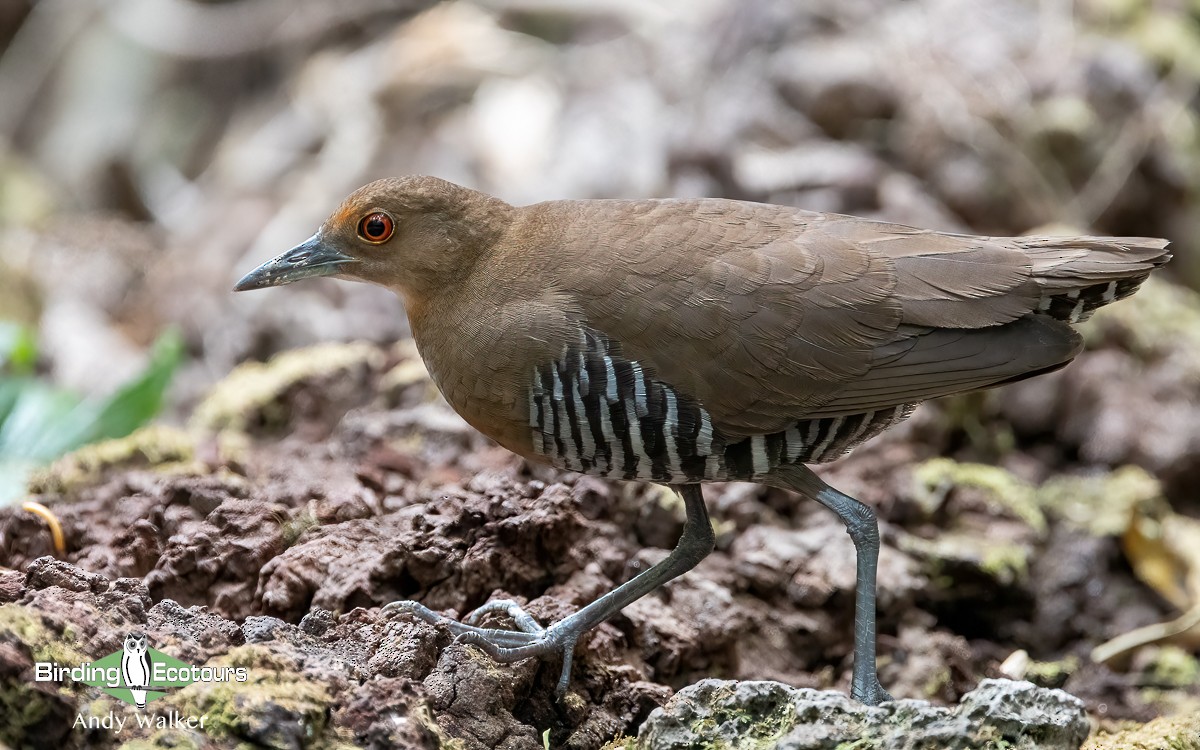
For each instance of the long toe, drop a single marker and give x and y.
(522, 619)
(529, 633)
(417, 610)
(507, 651)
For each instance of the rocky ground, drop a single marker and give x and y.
(309, 491)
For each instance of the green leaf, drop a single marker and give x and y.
(138, 401)
(10, 390)
(18, 348)
(39, 422)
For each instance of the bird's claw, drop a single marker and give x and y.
(530, 639)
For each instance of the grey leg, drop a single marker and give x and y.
(507, 646)
(863, 529)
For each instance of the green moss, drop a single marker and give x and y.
(166, 449)
(22, 704)
(43, 643)
(274, 696)
(936, 478)
(23, 707)
(1100, 504)
(702, 727)
(1003, 562)
(994, 738)
(1165, 733)
(571, 701)
(1051, 673)
(294, 527)
(761, 726)
(233, 447)
(937, 681)
(171, 739)
(253, 391)
(1173, 667)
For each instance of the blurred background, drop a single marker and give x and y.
(152, 151)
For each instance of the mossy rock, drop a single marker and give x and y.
(935, 478)
(34, 711)
(275, 707)
(1164, 733)
(254, 392)
(1101, 503)
(165, 449)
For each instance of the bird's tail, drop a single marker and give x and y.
(1078, 275)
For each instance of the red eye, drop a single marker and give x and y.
(376, 228)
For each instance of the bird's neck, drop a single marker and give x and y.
(480, 349)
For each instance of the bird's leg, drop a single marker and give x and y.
(863, 529)
(531, 639)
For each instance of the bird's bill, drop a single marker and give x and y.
(309, 259)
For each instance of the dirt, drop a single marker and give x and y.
(274, 543)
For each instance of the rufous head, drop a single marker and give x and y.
(414, 234)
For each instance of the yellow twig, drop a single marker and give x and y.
(47, 515)
(1143, 636)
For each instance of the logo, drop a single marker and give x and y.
(137, 675)
(136, 668)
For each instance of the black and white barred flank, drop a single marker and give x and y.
(596, 412)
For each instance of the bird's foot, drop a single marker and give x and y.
(505, 646)
(870, 693)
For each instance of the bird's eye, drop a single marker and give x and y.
(376, 227)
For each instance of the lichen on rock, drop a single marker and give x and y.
(999, 713)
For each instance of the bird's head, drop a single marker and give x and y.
(415, 235)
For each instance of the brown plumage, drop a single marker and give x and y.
(685, 341)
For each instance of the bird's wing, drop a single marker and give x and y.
(927, 363)
(768, 315)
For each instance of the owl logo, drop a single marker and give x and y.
(136, 667)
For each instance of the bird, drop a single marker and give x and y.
(686, 341)
(136, 667)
